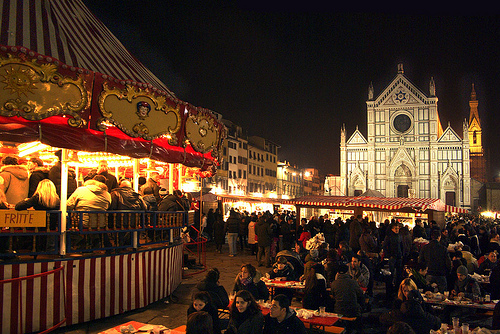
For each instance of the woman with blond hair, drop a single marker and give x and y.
(45, 198)
(406, 285)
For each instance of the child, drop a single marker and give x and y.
(203, 302)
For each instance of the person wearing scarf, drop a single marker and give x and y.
(249, 279)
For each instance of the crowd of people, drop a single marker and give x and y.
(30, 185)
(339, 261)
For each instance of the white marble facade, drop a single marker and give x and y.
(406, 153)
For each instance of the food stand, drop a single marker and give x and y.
(381, 207)
(68, 83)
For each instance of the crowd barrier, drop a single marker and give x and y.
(88, 231)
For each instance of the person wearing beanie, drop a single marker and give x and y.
(465, 286)
(282, 270)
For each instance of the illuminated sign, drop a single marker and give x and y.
(28, 218)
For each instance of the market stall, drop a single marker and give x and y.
(379, 208)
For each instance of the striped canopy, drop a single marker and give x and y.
(379, 203)
(69, 32)
(68, 82)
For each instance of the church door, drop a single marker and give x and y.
(403, 190)
(450, 198)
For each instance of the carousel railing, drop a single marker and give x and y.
(89, 231)
(109, 230)
(32, 241)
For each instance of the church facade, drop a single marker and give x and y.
(407, 152)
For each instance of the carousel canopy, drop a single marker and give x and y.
(67, 81)
(378, 203)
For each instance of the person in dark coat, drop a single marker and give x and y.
(37, 173)
(355, 230)
(174, 202)
(232, 228)
(201, 301)
(346, 293)
(437, 259)
(414, 314)
(102, 169)
(243, 230)
(219, 231)
(125, 198)
(286, 233)
(393, 250)
(494, 286)
(263, 232)
(149, 199)
(199, 322)
(418, 230)
(282, 269)
(55, 176)
(245, 316)
(282, 319)
(217, 292)
(489, 263)
(152, 183)
(210, 223)
(329, 232)
(315, 294)
(249, 279)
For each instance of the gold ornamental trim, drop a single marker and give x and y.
(138, 113)
(36, 91)
(202, 132)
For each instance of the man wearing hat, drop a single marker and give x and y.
(283, 270)
(465, 286)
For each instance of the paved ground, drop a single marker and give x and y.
(172, 313)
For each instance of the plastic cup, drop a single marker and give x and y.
(465, 328)
(455, 322)
(322, 311)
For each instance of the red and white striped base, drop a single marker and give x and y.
(85, 289)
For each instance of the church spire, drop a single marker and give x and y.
(400, 68)
(370, 92)
(473, 94)
(473, 103)
(432, 87)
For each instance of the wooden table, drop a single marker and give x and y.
(273, 284)
(315, 322)
(476, 305)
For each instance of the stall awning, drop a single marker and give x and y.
(234, 199)
(62, 71)
(379, 203)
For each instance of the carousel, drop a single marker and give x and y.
(67, 84)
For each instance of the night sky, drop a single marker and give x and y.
(295, 75)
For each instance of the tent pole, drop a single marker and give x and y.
(64, 197)
(170, 178)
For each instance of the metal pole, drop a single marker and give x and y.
(136, 188)
(170, 178)
(64, 197)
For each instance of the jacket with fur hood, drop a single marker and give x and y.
(256, 287)
(14, 182)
